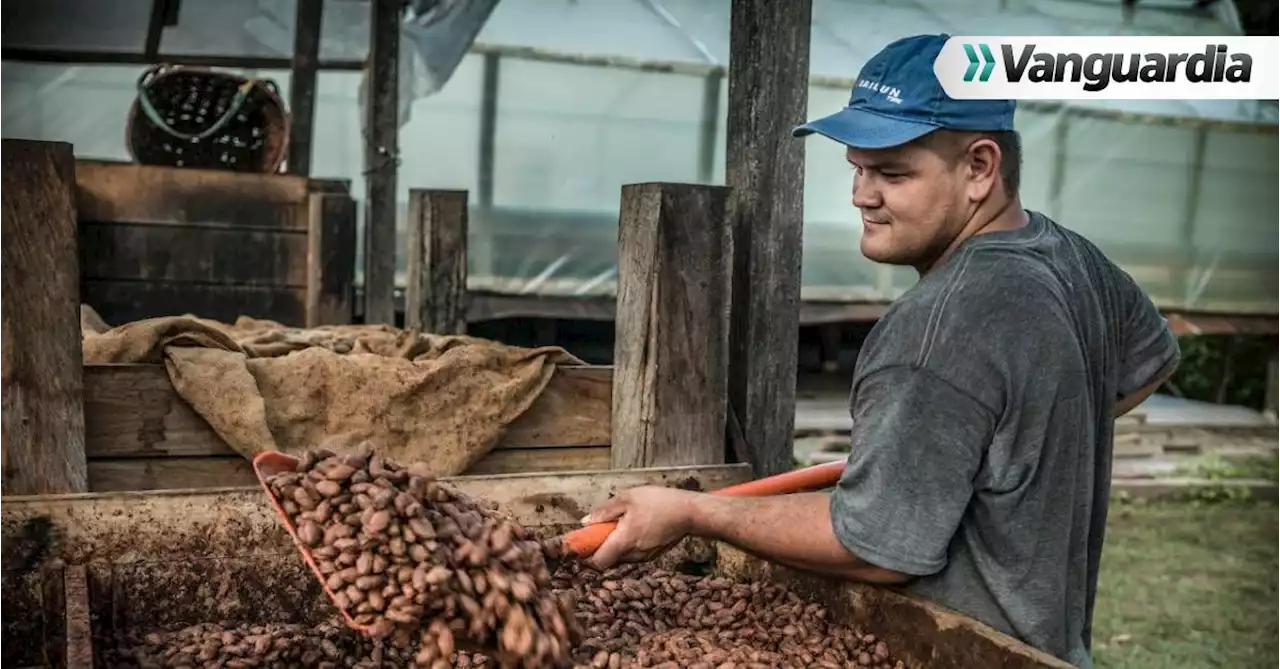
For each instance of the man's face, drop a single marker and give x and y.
(913, 202)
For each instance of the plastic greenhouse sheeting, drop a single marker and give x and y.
(1186, 204)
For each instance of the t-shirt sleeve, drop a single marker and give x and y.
(918, 443)
(1149, 348)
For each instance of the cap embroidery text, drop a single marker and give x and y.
(893, 94)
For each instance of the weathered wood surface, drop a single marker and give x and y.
(79, 627)
(125, 301)
(381, 154)
(671, 344)
(185, 524)
(920, 633)
(112, 191)
(435, 294)
(43, 418)
(115, 475)
(158, 241)
(331, 259)
(768, 80)
(132, 411)
(191, 253)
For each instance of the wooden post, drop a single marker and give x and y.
(331, 258)
(302, 83)
(671, 347)
(382, 125)
(43, 414)
(435, 294)
(768, 95)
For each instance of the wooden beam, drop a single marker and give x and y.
(302, 84)
(768, 94)
(42, 447)
(381, 127)
(132, 411)
(78, 622)
(131, 474)
(671, 343)
(112, 191)
(331, 259)
(435, 293)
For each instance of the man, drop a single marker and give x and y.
(983, 401)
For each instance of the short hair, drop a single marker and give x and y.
(951, 143)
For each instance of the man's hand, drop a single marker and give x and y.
(651, 519)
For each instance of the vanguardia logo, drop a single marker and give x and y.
(1098, 70)
(1065, 67)
(988, 62)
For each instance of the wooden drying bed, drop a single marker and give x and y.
(141, 435)
(79, 567)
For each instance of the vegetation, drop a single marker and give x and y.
(1225, 369)
(1188, 585)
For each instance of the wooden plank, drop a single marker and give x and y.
(768, 94)
(671, 344)
(544, 459)
(573, 410)
(110, 191)
(79, 632)
(307, 23)
(132, 411)
(331, 259)
(119, 301)
(192, 253)
(435, 296)
(42, 447)
(110, 475)
(183, 524)
(381, 152)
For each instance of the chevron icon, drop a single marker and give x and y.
(987, 61)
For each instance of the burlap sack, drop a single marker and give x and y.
(445, 401)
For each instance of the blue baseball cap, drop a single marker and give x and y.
(897, 98)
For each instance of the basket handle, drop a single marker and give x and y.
(144, 101)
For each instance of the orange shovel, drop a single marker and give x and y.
(585, 542)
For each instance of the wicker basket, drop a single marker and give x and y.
(200, 118)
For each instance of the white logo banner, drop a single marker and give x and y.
(1110, 68)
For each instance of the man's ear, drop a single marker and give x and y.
(982, 166)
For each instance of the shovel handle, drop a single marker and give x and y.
(586, 541)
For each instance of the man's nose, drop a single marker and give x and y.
(865, 196)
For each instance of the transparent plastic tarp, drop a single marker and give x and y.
(1188, 207)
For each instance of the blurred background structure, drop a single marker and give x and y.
(560, 102)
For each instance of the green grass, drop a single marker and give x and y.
(1187, 585)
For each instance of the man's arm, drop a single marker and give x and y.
(1131, 401)
(794, 530)
(1150, 353)
(917, 444)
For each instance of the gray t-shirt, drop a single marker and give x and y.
(982, 430)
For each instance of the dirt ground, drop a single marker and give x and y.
(1188, 584)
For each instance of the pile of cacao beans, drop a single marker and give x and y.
(415, 561)
(439, 580)
(330, 645)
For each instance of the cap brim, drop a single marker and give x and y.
(862, 129)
